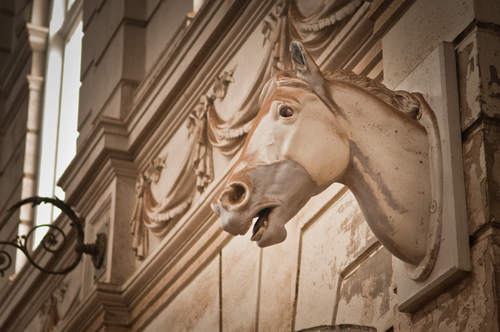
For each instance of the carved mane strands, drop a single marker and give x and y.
(403, 101)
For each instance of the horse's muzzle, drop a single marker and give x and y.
(279, 188)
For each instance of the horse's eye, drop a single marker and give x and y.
(286, 112)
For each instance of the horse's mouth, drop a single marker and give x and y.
(261, 223)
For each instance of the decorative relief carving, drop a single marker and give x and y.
(275, 32)
(202, 153)
(318, 24)
(144, 201)
(207, 130)
(316, 128)
(156, 216)
(228, 136)
(197, 125)
(152, 174)
(159, 216)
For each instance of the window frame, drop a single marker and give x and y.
(60, 34)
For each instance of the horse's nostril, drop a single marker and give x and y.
(234, 196)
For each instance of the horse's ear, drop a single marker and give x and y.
(302, 61)
(306, 68)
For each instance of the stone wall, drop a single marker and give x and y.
(153, 73)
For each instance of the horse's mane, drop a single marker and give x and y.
(400, 100)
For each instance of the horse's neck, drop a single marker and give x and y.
(389, 168)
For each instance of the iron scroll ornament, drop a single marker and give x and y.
(55, 240)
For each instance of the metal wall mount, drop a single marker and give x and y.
(55, 240)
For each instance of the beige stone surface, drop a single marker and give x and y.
(469, 79)
(278, 283)
(365, 294)
(467, 306)
(120, 264)
(418, 32)
(329, 244)
(164, 23)
(240, 281)
(317, 203)
(246, 64)
(112, 62)
(476, 180)
(478, 58)
(196, 308)
(108, 70)
(488, 41)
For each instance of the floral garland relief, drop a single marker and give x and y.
(208, 131)
(197, 172)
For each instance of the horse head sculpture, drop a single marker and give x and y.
(317, 128)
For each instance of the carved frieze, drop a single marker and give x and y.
(207, 130)
(158, 215)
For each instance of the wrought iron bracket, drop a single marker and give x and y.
(55, 240)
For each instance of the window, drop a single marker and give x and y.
(60, 109)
